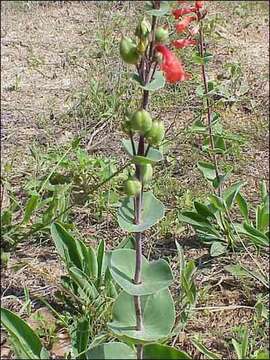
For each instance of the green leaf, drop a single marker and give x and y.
(137, 78)
(243, 205)
(6, 217)
(245, 344)
(197, 59)
(262, 217)
(215, 118)
(219, 180)
(257, 237)
(100, 261)
(194, 219)
(263, 190)
(240, 270)
(142, 160)
(81, 279)
(153, 154)
(200, 92)
(163, 10)
(153, 211)
(208, 354)
(28, 342)
(217, 202)
(219, 145)
(261, 355)
(238, 349)
(163, 352)
(110, 351)
(73, 251)
(80, 337)
(156, 275)
(207, 57)
(198, 127)
(158, 317)
(90, 264)
(127, 243)
(203, 210)
(30, 207)
(157, 83)
(230, 193)
(207, 169)
(217, 249)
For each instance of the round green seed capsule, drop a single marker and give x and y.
(156, 134)
(128, 51)
(132, 186)
(141, 121)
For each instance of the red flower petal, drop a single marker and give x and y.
(180, 27)
(181, 43)
(199, 4)
(171, 66)
(177, 13)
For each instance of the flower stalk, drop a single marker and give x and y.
(208, 107)
(144, 71)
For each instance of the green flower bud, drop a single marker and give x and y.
(161, 35)
(143, 29)
(141, 121)
(156, 134)
(128, 51)
(132, 186)
(146, 173)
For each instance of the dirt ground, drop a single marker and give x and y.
(50, 53)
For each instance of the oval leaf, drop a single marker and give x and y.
(217, 249)
(156, 275)
(207, 169)
(113, 350)
(158, 317)
(153, 211)
(157, 83)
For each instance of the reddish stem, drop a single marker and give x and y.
(209, 125)
(144, 72)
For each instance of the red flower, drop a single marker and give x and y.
(177, 13)
(171, 66)
(199, 4)
(181, 43)
(180, 27)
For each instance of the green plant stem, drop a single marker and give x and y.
(210, 132)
